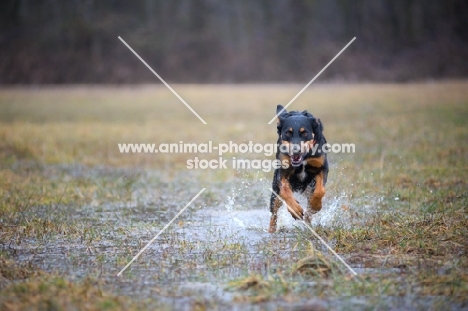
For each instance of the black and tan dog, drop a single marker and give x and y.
(305, 166)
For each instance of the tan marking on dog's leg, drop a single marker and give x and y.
(274, 215)
(287, 195)
(315, 201)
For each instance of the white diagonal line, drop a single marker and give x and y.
(314, 233)
(316, 76)
(162, 80)
(157, 235)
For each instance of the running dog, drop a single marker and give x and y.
(304, 164)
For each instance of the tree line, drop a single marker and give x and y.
(242, 41)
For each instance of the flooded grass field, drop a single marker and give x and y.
(74, 211)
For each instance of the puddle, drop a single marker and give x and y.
(249, 224)
(221, 237)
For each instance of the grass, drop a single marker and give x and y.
(74, 210)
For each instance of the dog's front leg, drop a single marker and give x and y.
(282, 187)
(286, 194)
(315, 200)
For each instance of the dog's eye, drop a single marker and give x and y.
(304, 134)
(289, 133)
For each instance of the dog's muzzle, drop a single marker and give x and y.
(296, 159)
(296, 154)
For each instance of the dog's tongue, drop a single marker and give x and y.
(296, 157)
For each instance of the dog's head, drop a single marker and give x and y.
(298, 132)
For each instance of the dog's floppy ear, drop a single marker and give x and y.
(317, 126)
(320, 125)
(281, 114)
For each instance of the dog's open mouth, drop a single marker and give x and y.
(296, 159)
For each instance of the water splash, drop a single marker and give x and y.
(250, 198)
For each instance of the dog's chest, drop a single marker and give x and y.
(302, 174)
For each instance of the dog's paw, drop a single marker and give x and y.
(315, 204)
(296, 211)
